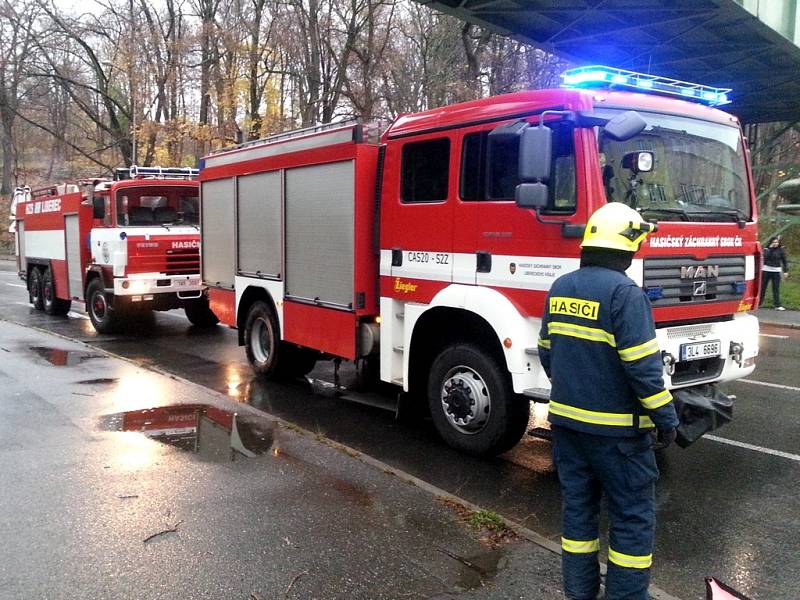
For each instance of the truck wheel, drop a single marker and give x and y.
(262, 341)
(98, 306)
(472, 402)
(199, 313)
(300, 361)
(51, 303)
(35, 288)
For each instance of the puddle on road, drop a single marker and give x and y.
(477, 571)
(63, 358)
(212, 433)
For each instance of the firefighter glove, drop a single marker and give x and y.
(665, 437)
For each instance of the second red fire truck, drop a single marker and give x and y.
(432, 249)
(123, 246)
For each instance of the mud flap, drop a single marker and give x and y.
(701, 408)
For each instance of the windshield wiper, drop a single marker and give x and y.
(671, 211)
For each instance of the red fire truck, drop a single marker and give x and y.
(432, 249)
(123, 246)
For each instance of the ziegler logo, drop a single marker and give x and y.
(700, 272)
(185, 245)
(404, 286)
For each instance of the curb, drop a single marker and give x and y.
(437, 492)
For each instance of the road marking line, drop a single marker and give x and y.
(28, 304)
(774, 385)
(714, 438)
(75, 315)
(772, 335)
(16, 285)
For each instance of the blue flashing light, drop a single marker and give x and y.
(654, 293)
(739, 287)
(601, 76)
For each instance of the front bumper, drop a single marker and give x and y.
(149, 284)
(738, 343)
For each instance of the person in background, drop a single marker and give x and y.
(775, 267)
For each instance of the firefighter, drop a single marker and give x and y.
(598, 347)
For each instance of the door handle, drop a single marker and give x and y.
(484, 261)
(397, 257)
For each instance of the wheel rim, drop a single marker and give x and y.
(47, 290)
(35, 289)
(261, 340)
(466, 401)
(99, 306)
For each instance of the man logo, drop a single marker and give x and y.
(513, 268)
(699, 272)
(700, 288)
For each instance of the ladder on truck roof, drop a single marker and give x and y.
(316, 136)
(137, 172)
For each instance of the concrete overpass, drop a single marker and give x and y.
(752, 46)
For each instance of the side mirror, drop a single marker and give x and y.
(98, 207)
(535, 154)
(532, 195)
(625, 126)
(638, 162)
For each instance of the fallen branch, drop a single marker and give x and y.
(173, 529)
(463, 561)
(294, 580)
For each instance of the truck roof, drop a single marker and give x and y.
(524, 103)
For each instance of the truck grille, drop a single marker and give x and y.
(183, 262)
(679, 280)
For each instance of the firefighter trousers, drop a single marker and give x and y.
(625, 470)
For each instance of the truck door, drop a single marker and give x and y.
(418, 215)
(73, 243)
(513, 250)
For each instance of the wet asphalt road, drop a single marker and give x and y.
(727, 507)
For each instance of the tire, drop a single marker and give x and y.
(199, 313)
(98, 305)
(300, 361)
(51, 303)
(472, 403)
(35, 288)
(262, 341)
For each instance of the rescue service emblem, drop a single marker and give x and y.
(512, 267)
(574, 307)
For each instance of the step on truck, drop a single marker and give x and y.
(431, 249)
(123, 246)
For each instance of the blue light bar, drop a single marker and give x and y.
(600, 76)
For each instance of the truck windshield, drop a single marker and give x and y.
(148, 208)
(698, 173)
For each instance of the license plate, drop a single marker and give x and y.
(180, 282)
(698, 350)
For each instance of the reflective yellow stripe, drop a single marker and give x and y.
(640, 351)
(656, 400)
(579, 547)
(645, 422)
(630, 561)
(579, 331)
(544, 344)
(591, 416)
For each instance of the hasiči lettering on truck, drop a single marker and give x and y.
(428, 252)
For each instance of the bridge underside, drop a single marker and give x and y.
(714, 42)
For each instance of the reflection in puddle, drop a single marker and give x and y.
(212, 433)
(63, 358)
